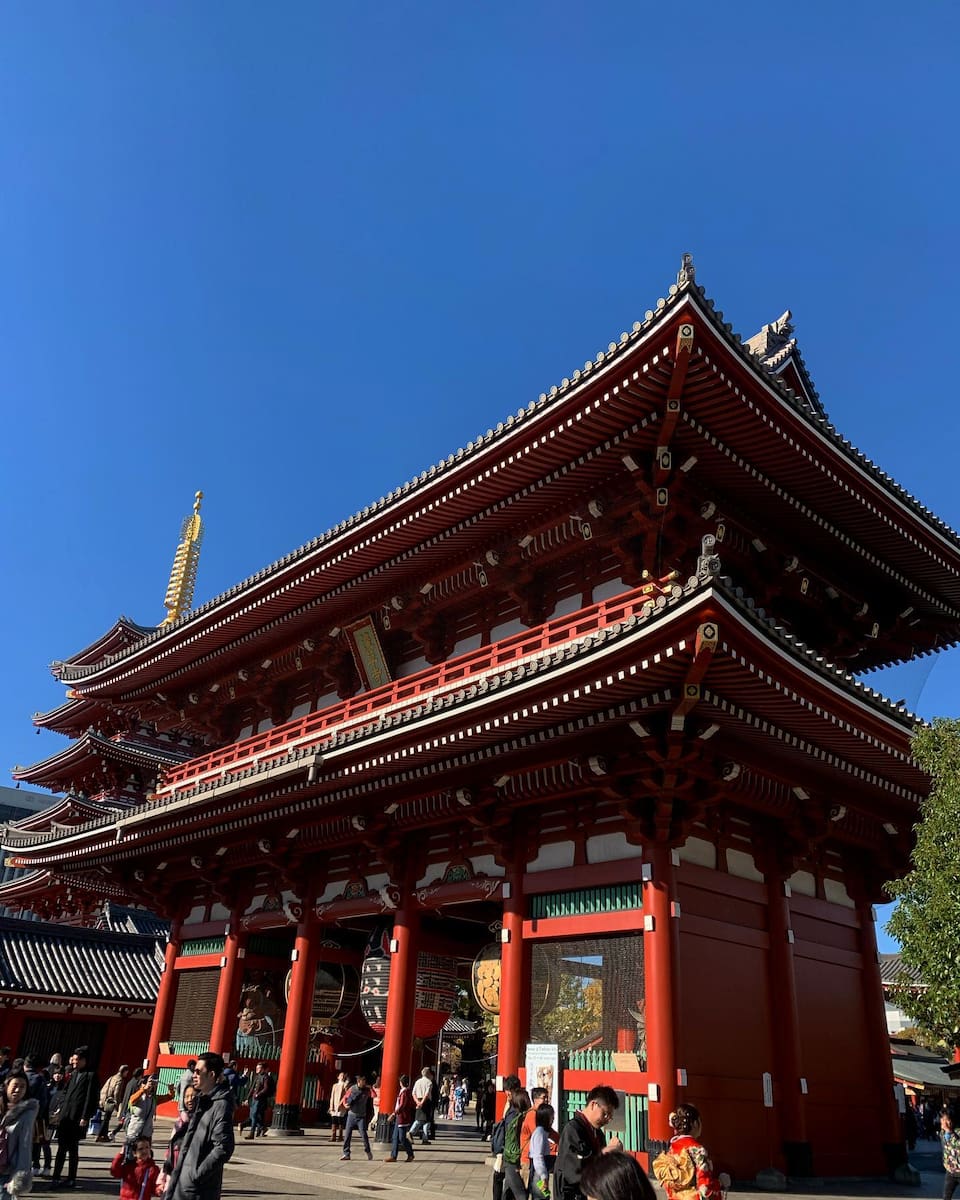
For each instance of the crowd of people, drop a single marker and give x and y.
(46, 1102)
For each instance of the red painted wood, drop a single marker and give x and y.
(661, 976)
(224, 1026)
(296, 1037)
(542, 928)
(163, 1013)
(398, 1037)
(512, 991)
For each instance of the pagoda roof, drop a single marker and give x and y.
(741, 412)
(77, 714)
(92, 748)
(119, 636)
(63, 811)
(60, 962)
(613, 666)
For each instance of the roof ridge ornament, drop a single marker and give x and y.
(772, 338)
(688, 272)
(183, 574)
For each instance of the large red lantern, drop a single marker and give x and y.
(436, 988)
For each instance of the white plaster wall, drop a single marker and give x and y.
(411, 668)
(486, 864)
(552, 856)
(301, 710)
(219, 912)
(803, 883)
(741, 864)
(507, 629)
(611, 847)
(196, 917)
(699, 851)
(611, 587)
(836, 892)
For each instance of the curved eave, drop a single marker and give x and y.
(93, 748)
(547, 435)
(68, 810)
(761, 686)
(123, 634)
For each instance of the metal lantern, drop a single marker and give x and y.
(336, 987)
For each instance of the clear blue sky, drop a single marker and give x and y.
(295, 253)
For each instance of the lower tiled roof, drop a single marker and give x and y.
(41, 959)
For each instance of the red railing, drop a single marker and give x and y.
(403, 691)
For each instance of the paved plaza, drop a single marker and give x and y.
(457, 1164)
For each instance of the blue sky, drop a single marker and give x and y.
(293, 254)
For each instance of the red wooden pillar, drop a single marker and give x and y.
(514, 988)
(166, 996)
(790, 1096)
(659, 963)
(224, 1028)
(401, 999)
(875, 1019)
(296, 1035)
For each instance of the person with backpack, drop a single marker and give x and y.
(358, 1104)
(685, 1165)
(38, 1089)
(582, 1138)
(950, 1142)
(402, 1118)
(506, 1143)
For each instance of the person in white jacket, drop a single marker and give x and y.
(16, 1129)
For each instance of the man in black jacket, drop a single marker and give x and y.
(583, 1138)
(208, 1142)
(79, 1105)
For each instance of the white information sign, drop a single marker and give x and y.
(543, 1069)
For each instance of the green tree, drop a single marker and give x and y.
(926, 921)
(577, 1014)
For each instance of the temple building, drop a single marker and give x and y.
(574, 716)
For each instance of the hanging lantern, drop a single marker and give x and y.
(436, 994)
(336, 987)
(485, 980)
(375, 979)
(436, 987)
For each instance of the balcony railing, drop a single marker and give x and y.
(310, 729)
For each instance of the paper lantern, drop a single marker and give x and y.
(485, 980)
(436, 987)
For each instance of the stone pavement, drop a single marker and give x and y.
(457, 1164)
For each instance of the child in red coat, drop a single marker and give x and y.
(138, 1179)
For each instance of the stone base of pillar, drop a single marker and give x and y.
(799, 1159)
(896, 1155)
(384, 1130)
(286, 1121)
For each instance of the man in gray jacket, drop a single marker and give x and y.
(208, 1142)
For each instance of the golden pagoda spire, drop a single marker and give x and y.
(183, 576)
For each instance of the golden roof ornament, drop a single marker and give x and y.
(183, 575)
(688, 272)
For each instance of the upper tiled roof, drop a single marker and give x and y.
(686, 289)
(59, 961)
(892, 967)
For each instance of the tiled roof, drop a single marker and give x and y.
(685, 289)
(118, 918)
(58, 961)
(891, 968)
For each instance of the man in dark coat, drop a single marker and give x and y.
(583, 1138)
(79, 1104)
(208, 1142)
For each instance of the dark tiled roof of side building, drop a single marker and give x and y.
(42, 959)
(891, 968)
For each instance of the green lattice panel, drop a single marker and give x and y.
(587, 901)
(197, 946)
(190, 1049)
(629, 1125)
(269, 947)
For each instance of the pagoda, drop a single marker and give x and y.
(578, 704)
